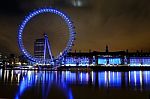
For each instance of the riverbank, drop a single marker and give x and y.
(83, 68)
(102, 68)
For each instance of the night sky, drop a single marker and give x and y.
(120, 24)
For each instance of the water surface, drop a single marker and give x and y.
(23, 84)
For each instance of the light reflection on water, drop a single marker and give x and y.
(136, 80)
(109, 79)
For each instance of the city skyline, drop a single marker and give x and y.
(74, 49)
(120, 25)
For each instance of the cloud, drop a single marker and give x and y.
(122, 24)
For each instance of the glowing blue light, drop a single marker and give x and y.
(0, 73)
(102, 79)
(80, 61)
(135, 79)
(114, 61)
(115, 79)
(82, 77)
(135, 61)
(146, 77)
(102, 61)
(46, 10)
(31, 80)
(109, 79)
(145, 61)
(140, 61)
(69, 77)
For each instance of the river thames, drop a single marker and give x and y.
(25, 84)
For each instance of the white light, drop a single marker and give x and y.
(135, 78)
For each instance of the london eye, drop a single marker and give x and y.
(52, 60)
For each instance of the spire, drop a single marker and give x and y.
(45, 35)
(107, 50)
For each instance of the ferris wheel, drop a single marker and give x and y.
(50, 60)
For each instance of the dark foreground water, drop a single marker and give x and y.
(17, 84)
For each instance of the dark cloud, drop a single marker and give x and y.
(9, 7)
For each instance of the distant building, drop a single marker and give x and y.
(42, 48)
(107, 58)
(107, 50)
(23, 60)
(39, 48)
(3, 60)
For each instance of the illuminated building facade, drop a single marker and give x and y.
(120, 58)
(139, 61)
(107, 58)
(110, 58)
(79, 59)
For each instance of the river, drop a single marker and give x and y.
(25, 84)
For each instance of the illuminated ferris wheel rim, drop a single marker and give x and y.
(41, 11)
